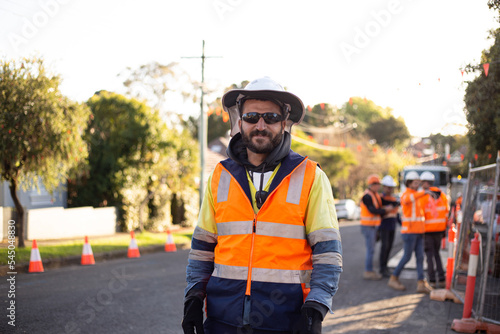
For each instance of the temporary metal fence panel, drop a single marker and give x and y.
(480, 214)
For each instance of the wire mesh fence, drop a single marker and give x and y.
(481, 217)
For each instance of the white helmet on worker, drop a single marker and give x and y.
(388, 181)
(427, 176)
(264, 88)
(412, 175)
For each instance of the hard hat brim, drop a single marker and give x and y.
(297, 110)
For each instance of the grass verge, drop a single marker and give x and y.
(99, 245)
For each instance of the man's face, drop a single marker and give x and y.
(426, 185)
(414, 184)
(261, 137)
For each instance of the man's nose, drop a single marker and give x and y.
(261, 124)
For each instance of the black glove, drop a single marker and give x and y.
(309, 322)
(193, 316)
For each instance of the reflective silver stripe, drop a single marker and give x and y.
(325, 234)
(432, 221)
(196, 254)
(223, 187)
(413, 206)
(281, 275)
(262, 274)
(413, 219)
(281, 230)
(296, 182)
(438, 208)
(230, 272)
(328, 258)
(233, 228)
(204, 235)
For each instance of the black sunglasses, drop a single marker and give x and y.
(269, 117)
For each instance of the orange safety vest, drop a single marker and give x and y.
(436, 212)
(412, 220)
(260, 254)
(368, 218)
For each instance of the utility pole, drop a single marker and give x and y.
(202, 131)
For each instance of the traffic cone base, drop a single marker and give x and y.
(36, 265)
(133, 250)
(443, 295)
(170, 245)
(87, 255)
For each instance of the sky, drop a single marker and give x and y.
(401, 54)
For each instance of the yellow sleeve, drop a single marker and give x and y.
(206, 218)
(320, 213)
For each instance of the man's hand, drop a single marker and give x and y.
(193, 316)
(310, 321)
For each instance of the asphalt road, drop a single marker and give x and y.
(145, 296)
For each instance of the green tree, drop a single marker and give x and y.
(41, 130)
(375, 122)
(482, 103)
(320, 115)
(218, 123)
(334, 162)
(388, 131)
(124, 139)
(364, 112)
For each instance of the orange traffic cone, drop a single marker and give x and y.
(36, 265)
(170, 245)
(87, 255)
(133, 250)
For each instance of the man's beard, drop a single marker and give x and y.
(266, 147)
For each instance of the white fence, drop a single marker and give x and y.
(60, 223)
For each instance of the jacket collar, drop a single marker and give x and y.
(288, 164)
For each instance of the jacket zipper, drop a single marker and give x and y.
(249, 277)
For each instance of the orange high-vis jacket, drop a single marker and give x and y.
(247, 260)
(278, 245)
(368, 218)
(436, 211)
(413, 213)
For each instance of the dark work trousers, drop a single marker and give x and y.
(386, 240)
(434, 264)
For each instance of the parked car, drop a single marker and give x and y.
(347, 209)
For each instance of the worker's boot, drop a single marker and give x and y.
(395, 283)
(372, 275)
(423, 287)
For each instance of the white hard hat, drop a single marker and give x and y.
(427, 176)
(267, 89)
(412, 175)
(388, 181)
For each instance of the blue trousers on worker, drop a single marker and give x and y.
(412, 242)
(369, 232)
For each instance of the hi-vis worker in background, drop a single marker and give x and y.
(266, 253)
(412, 233)
(371, 216)
(387, 228)
(436, 214)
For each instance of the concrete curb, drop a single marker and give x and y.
(22, 268)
